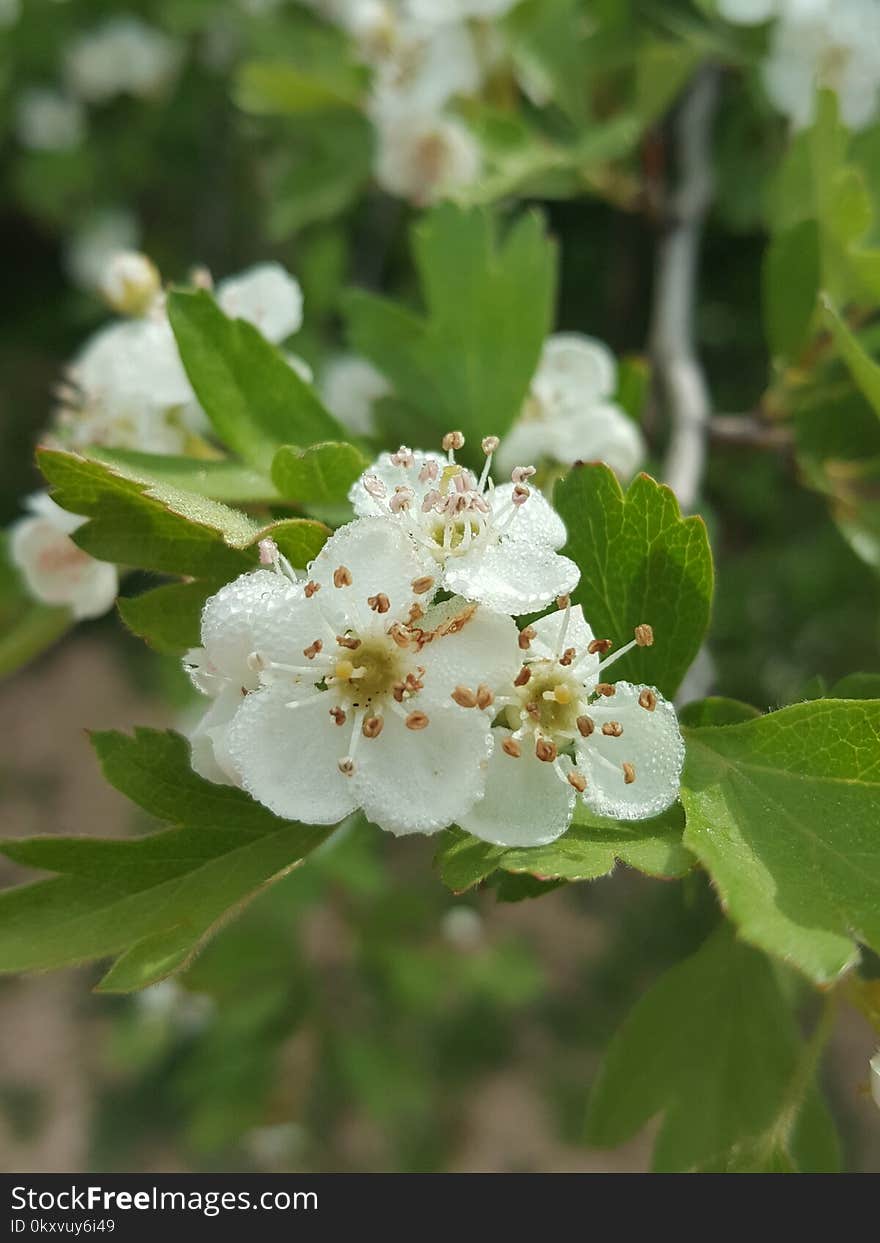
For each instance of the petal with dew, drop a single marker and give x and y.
(484, 650)
(421, 781)
(526, 803)
(536, 521)
(651, 744)
(511, 576)
(288, 758)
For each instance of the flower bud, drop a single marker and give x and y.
(130, 283)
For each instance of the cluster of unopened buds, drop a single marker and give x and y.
(393, 677)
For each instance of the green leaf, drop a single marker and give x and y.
(716, 711)
(663, 67)
(588, 850)
(138, 522)
(714, 1049)
(791, 276)
(153, 526)
(468, 362)
(322, 474)
(169, 617)
(277, 88)
(640, 561)
(857, 686)
(865, 371)
(217, 480)
(784, 813)
(249, 391)
(152, 900)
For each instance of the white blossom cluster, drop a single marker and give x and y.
(122, 56)
(818, 43)
(569, 414)
(393, 677)
(423, 54)
(127, 389)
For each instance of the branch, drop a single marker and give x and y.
(677, 366)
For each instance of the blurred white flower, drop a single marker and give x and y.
(350, 386)
(424, 157)
(122, 56)
(569, 414)
(567, 733)
(130, 282)
(423, 67)
(47, 120)
(361, 696)
(839, 50)
(462, 927)
(90, 249)
(54, 568)
(266, 296)
(494, 545)
(875, 1078)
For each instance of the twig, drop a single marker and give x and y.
(746, 430)
(677, 366)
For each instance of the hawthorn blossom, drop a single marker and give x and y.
(130, 282)
(265, 295)
(496, 545)
(122, 56)
(350, 386)
(818, 43)
(56, 570)
(127, 388)
(569, 414)
(564, 732)
(241, 618)
(369, 696)
(424, 156)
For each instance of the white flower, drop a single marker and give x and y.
(46, 120)
(89, 250)
(367, 698)
(418, 66)
(350, 386)
(55, 569)
(494, 545)
(266, 296)
(838, 49)
(242, 617)
(130, 282)
(127, 389)
(567, 733)
(122, 56)
(569, 414)
(424, 156)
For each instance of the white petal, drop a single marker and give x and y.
(350, 387)
(536, 521)
(651, 742)
(209, 739)
(526, 443)
(553, 636)
(525, 804)
(485, 650)
(747, 12)
(392, 477)
(574, 368)
(380, 558)
(601, 433)
(266, 296)
(288, 757)
(511, 576)
(258, 612)
(420, 781)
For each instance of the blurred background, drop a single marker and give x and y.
(358, 1016)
